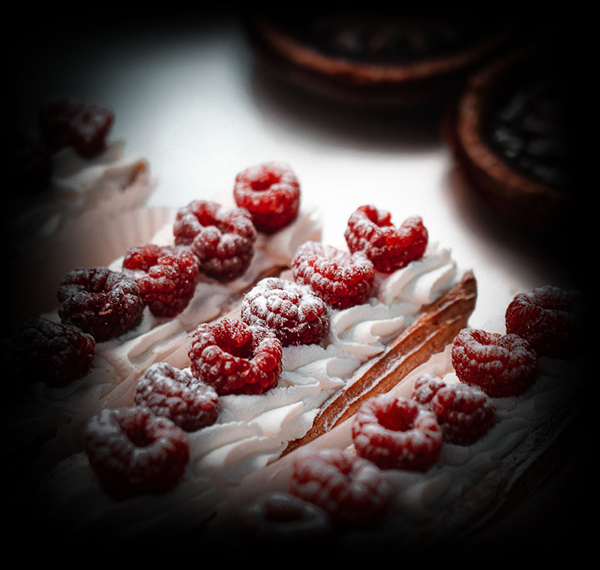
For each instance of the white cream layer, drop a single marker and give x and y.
(252, 431)
(119, 362)
(112, 180)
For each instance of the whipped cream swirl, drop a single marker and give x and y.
(253, 430)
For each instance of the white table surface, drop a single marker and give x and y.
(191, 101)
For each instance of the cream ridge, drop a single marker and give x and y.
(252, 431)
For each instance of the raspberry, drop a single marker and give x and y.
(464, 412)
(389, 248)
(341, 279)
(165, 275)
(235, 358)
(133, 452)
(289, 310)
(282, 518)
(85, 128)
(176, 394)
(55, 353)
(397, 433)
(99, 301)
(425, 388)
(351, 490)
(271, 193)
(549, 318)
(222, 239)
(501, 365)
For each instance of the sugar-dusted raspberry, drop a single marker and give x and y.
(222, 239)
(100, 301)
(354, 492)
(397, 433)
(176, 394)
(54, 353)
(133, 452)
(85, 128)
(389, 247)
(464, 412)
(280, 518)
(291, 311)
(271, 193)
(235, 358)
(166, 276)
(340, 278)
(501, 365)
(425, 388)
(550, 318)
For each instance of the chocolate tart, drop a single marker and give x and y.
(511, 138)
(384, 59)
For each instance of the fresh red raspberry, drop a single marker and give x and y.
(175, 394)
(351, 490)
(501, 365)
(341, 279)
(165, 275)
(271, 193)
(85, 128)
(222, 239)
(54, 353)
(464, 412)
(425, 388)
(99, 301)
(289, 310)
(389, 248)
(279, 518)
(397, 433)
(234, 357)
(548, 317)
(133, 452)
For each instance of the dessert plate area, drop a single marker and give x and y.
(190, 99)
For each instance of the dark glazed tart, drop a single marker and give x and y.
(511, 135)
(384, 59)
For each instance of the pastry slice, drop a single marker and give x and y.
(297, 350)
(163, 292)
(454, 448)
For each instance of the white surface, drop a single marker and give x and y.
(190, 100)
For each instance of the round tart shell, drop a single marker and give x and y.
(364, 83)
(515, 196)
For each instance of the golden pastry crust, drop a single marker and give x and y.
(429, 334)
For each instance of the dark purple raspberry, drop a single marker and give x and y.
(280, 518)
(165, 275)
(350, 489)
(465, 413)
(271, 193)
(235, 358)
(222, 239)
(85, 128)
(550, 318)
(54, 353)
(99, 301)
(133, 452)
(289, 310)
(389, 248)
(341, 279)
(175, 394)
